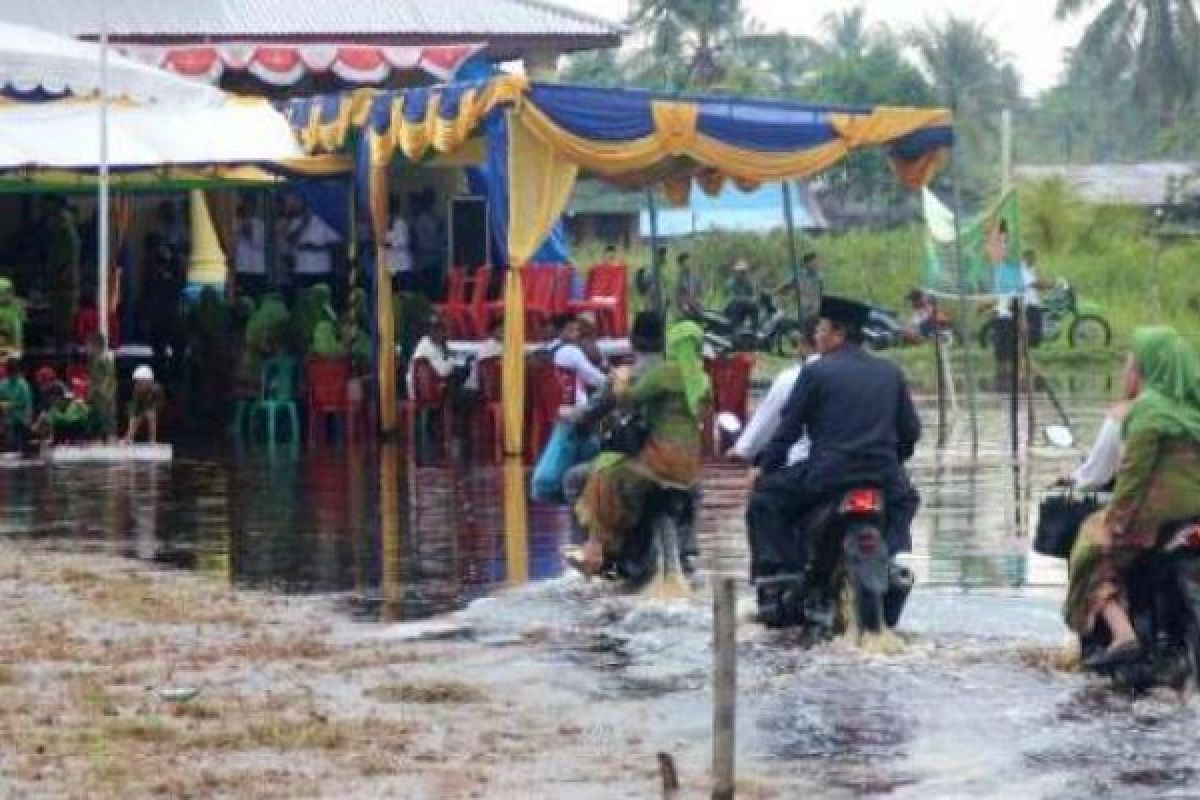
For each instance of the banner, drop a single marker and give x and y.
(991, 248)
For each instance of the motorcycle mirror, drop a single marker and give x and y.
(1059, 436)
(729, 424)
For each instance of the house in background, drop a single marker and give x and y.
(1167, 185)
(598, 212)
(288, 48)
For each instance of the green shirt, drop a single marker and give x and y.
(102, 384)
(659, 393)
(70, 417)
(15, 393)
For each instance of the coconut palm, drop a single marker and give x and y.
(846, 33)
(1156, 42)
(694, 33)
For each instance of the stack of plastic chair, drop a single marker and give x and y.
(606, 296)
(278, 396)
(477, 302)
(455, 310)
(428, 396)
(730, 377)
(490, 416)
(329, 393)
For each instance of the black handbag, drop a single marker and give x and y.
(1060, 517)
(624, 431)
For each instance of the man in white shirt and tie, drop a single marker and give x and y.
(315, 244)
(250, 256)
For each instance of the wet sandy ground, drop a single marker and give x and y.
(550, 689)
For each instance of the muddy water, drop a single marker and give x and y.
(969, 708)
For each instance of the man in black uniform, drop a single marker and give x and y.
(859, 417)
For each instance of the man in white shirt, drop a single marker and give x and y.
(433, 348)
(250, 256)
(569, 355)
(490, 347)
(767, 415)
(314, 252)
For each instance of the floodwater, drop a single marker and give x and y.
(970, 708)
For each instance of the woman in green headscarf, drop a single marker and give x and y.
(1158, 483)
(672, 396)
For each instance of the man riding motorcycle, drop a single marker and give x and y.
(859, 417)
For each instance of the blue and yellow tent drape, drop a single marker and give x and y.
(540, 137)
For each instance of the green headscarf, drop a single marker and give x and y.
(685, 343)
(1169, 403)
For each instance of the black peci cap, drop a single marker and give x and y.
(844, 311)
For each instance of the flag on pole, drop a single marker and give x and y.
(991, 248)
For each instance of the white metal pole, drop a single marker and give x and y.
(102, 257)
(1006, 144)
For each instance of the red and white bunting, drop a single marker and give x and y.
(287, 64)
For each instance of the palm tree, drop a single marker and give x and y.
(692, 32)
(1156, 42)
(846, 33)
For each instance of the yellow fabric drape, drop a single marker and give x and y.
(384, 309)
(391, 553)
(122, 219)
(516, 524)
(539, 186)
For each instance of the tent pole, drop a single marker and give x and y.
(655, 261)
(102, 185)
(963, 323)
(790, 221)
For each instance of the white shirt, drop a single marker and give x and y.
(313, 255)
(767, 416)
(488, 348)
(1029, 279)
(1104, 459)
(399, 245)
(250, 251)
(572, 357)
(437, 356)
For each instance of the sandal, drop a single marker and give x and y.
(1114, 657)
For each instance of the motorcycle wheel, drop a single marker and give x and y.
(1089, 331)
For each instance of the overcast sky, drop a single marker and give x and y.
(1025, 29)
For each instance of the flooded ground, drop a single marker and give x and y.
(969, 708)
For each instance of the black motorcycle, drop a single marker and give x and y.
(771, 330)
(1163, 589)
(850, 584)
(661, 550)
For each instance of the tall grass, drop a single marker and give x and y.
(1108, 254)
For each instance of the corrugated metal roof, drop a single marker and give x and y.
(1144, 184)
(468, 19)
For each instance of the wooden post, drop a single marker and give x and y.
(964, 322)
(1014, 388)
(940, 377)
(724, 687)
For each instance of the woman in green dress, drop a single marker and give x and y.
(672, 395)
(1158, 483)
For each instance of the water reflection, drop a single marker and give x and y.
(402, 541)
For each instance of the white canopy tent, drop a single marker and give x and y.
(64, 135)
(32, 60)
(120, 112)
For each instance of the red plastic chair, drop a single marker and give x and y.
(455, 311)
(428, 393)
(730, 377)
(328, 382)
(477, 305)
(607, 297)
(547, 388)
(539, 283)
(490, 415)
(564, 281)
(87, 322)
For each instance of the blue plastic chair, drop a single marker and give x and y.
(278, 395)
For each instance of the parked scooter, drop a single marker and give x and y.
(775, 331)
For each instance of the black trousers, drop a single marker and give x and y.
(782, 499)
